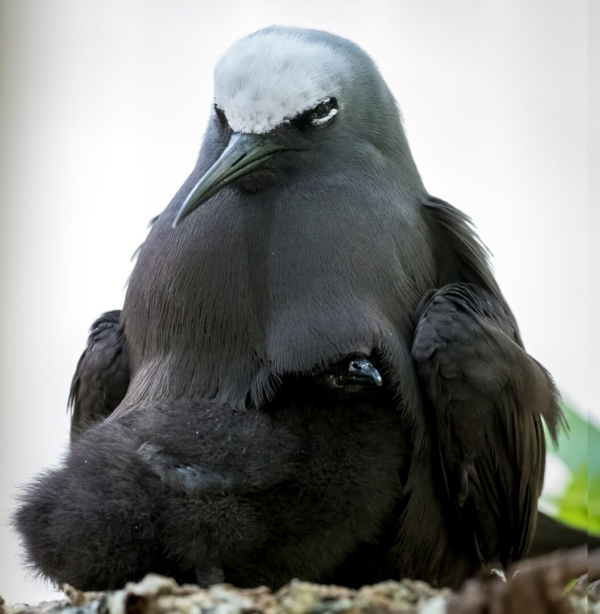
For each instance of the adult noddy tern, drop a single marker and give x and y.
(301, 281)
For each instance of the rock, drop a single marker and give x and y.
(535, 586)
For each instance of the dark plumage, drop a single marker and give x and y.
(551, 535)
(106, 344)
(304, 237)
(484, 394)
(102, 375)
(204, 492)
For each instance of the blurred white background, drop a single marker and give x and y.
(103, 108)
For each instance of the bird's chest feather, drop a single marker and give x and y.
(262, 287)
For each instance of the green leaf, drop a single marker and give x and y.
(579, 449)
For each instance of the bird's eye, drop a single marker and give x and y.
(318, 117)
(323, 113)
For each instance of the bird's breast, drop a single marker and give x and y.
(253, 287)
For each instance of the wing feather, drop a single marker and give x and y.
(102, 375)
(486, 397)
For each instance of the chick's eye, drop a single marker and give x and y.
(323, 113)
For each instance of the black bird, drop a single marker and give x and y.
(317, 244)
(206, 492)
(100, 383)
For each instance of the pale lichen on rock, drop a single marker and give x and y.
(536, 586)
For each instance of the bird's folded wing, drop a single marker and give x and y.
(486, 397)
(102, 375)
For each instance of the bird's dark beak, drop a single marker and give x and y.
(362, 372)
(243, 154)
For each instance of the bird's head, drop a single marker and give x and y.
(288, 98)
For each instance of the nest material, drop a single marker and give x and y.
(536, 586)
